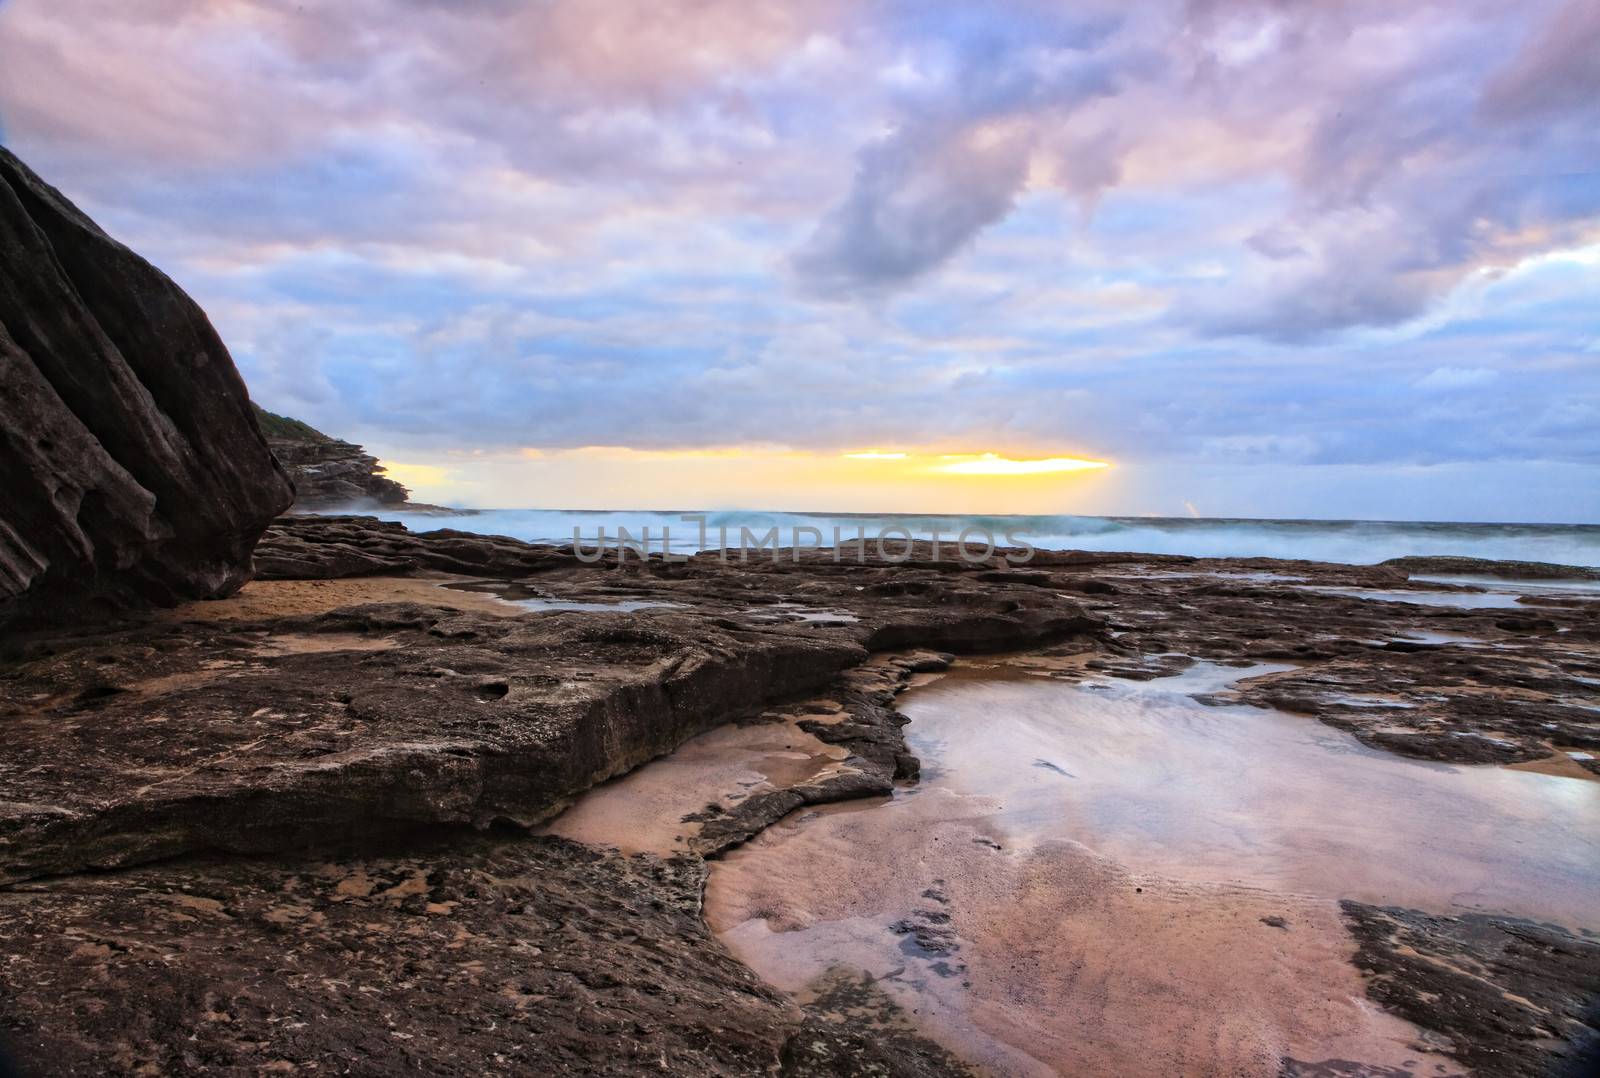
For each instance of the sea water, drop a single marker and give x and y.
(1359, 542)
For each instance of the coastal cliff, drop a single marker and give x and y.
(328, 473)
(133, 469)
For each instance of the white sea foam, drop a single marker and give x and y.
(1356, 542)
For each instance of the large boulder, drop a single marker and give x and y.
(131, 468)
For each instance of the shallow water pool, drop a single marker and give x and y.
(1116, 878)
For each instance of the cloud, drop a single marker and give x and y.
(1237, 231)
(918, 199)
(1456, 378)
(970, 118)
(1268, 447)
(1416, 172)
(1555, 73)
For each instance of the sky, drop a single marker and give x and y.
(1259, 258)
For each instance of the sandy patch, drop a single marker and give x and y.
(314, 643)
(262, 599)
(1560, 763)
(644, 810)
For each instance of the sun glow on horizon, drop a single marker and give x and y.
(985, 464)
(992, 464)
(415, 476)
(750, 476)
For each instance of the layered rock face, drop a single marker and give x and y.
(328, 473)
(133, 470)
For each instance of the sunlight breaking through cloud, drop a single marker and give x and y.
(994, 464)
(1277, 255)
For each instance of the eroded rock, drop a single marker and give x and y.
(472, 957)
(328, 472)
(131, 468)
(1505, 996)
(359, 722)
(333, 547)
(274, 728)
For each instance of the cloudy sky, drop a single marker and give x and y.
(1265, 258)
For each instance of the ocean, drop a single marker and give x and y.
(1359, 542)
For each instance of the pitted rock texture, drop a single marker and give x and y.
(455, 956)
(258, 727)
(357, 723)
(1506, 997)
(333, 547)
(530, 956)
(131, 468)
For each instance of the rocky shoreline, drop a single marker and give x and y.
(300, 822)
(315, 802)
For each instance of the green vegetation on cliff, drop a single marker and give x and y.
(281, 426)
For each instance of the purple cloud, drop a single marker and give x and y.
(1234, 229)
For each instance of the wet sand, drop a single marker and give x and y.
(643, 811)
(1117, 879)
(1563, 763)
(1058, 960)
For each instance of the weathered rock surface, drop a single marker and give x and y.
(1506, 997)
(131, 469)
(257, 726)
(171, 737)
(333, 547)
(328, 473)
(477, 957)
(358, 723)
(1390, 660)
(382, 723)
(1447, 565)
(491, 955)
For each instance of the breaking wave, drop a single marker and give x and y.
(1349, 541)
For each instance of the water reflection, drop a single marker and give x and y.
(1129, 881)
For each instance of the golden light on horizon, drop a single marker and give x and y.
(994, 464)
(776, 477)
(415, 476)
(981, 464)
